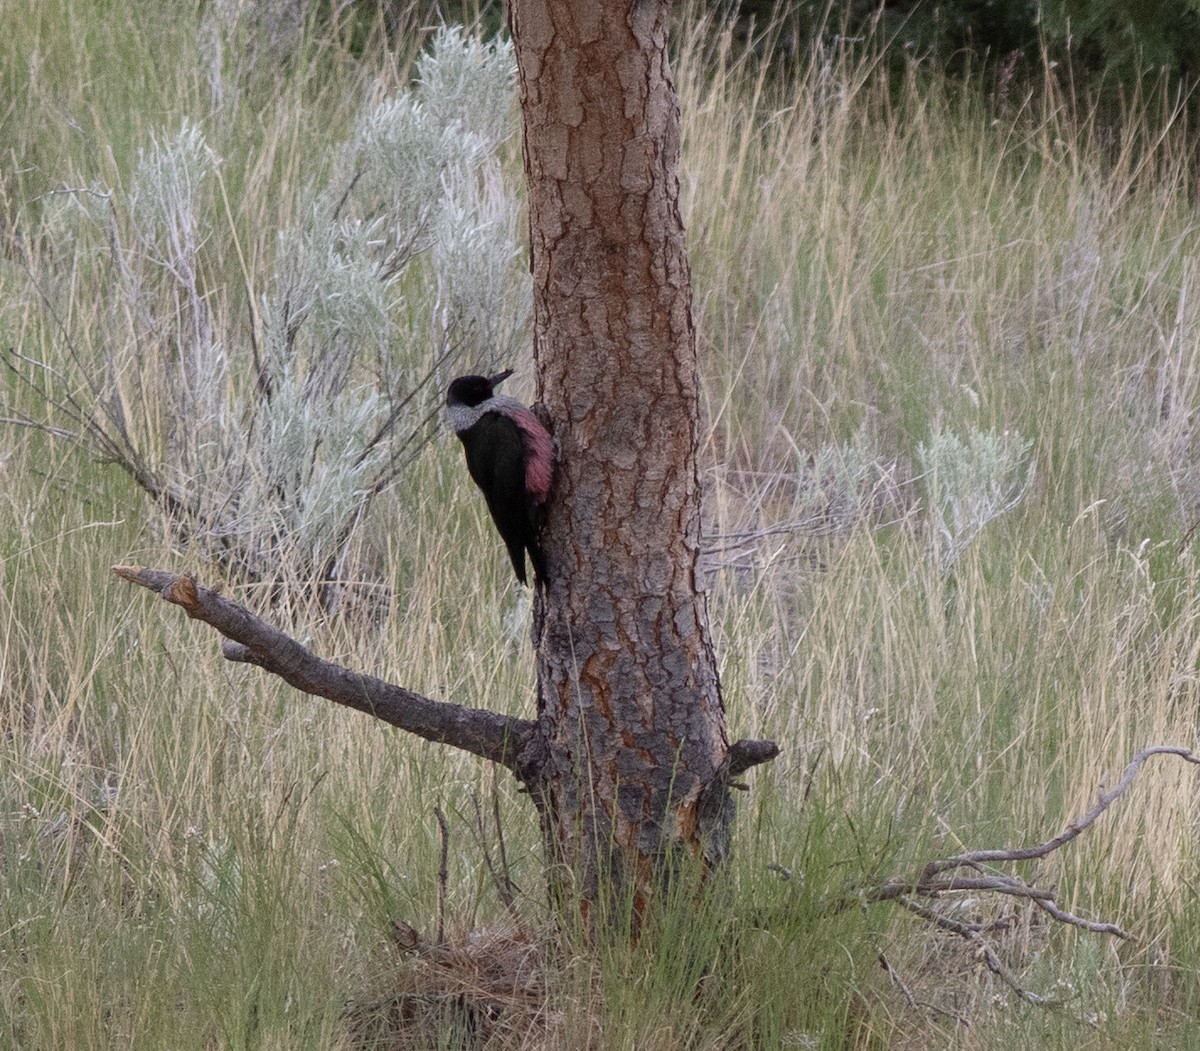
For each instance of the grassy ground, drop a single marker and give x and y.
(192, 856)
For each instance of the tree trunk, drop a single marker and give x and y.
(628, 759)
(634, 759)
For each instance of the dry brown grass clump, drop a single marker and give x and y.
(474, 989)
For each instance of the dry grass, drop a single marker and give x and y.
(193, 856)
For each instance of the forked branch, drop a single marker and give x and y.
(250, 640)
(974, 858)
(941, 877)
(932, 882)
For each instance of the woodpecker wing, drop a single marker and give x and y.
(496, 458)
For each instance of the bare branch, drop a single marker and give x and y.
(1078, 921)
(931, 884)
(913, 1002)
(893, 889)
(973, 934)
(1040, 850)
(443, 874)
(500, 738)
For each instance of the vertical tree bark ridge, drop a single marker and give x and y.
(629, 697)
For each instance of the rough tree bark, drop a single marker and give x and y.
(636, 760)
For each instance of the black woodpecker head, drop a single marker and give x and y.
(473, 390)
(511, 458)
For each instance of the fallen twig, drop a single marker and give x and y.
(932, 883)
(1040, 850)
(939, 878)
(912, 1001)
(443, 874)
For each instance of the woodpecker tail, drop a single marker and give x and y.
(541, 576)
(516, 553)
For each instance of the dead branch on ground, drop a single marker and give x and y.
(941, 877)
(932, 883)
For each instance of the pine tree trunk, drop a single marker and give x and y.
(628, 759)
(634, 759)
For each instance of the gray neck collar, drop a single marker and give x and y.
(464, 417)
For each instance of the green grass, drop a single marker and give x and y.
(194, 856)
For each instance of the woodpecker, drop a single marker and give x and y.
(511, 458)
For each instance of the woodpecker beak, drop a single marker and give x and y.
(501, 377)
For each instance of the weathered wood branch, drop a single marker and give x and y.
(917, 895)
(931, 883)
(972, 858)
(250, 640)
(973, 933)
(939, 879)
(895, 888)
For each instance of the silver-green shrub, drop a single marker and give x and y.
(844, 485)
(969, 484)
(267, 439)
